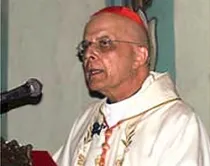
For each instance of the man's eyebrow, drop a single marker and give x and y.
(103, 36)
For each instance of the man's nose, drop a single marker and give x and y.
(91, 53)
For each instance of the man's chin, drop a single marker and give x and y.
(95, 87)
(95, 91)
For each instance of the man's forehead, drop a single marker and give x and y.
(105, 22)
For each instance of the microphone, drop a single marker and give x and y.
(32, 88)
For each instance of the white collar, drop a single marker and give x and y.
(156, 88)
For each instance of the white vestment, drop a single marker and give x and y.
(154, 127)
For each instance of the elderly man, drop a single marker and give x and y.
(142, 120)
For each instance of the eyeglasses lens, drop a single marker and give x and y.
(103, 46)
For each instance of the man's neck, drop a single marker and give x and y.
(125, 91)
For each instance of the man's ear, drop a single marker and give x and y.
(141, 56)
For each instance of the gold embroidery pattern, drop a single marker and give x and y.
(97, 160)
(81, 160)
(129, 133)
(86, 142)
(88, 136)
(119, 162)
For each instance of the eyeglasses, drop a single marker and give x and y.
(102, 45)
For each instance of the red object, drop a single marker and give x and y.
(42, 158)
(123, 11)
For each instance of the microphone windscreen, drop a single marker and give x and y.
(35, 87)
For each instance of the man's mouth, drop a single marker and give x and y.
(94, 72)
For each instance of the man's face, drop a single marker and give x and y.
(108, 70)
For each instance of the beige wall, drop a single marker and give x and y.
(43, 35)
(192, 43)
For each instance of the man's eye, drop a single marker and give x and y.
(105, 43)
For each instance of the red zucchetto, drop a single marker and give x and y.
(126, 12)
